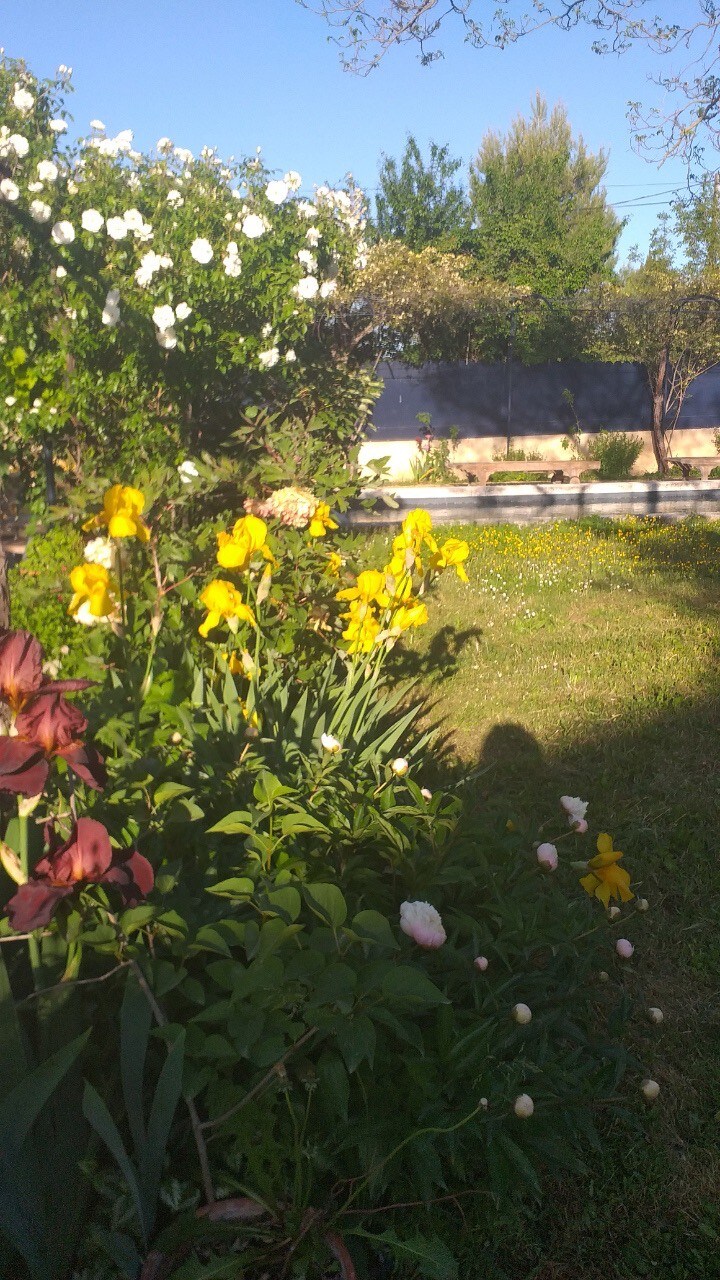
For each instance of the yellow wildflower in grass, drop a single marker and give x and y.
(121, 514)
(363, 628)
(236, 549)
(321, 521)
(92, 585)
(369, 588)
(451, 554)
(224, 602)
(605, 879)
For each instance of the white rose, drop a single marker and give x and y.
(91, 220)
(22, 100)
(163, 144)
(35, 186)
(183, 155)
(293, 180)
(10, 401)
(308, 259)
(58, 125)
(306, 288)
(276, 192)
(123, 139)
(167, 339)
(163, 317)
(63, 232)
(17, 143)
(330, 743)
(47, 171)
(101, 551)
(201, 250)
(97, 125)
(9, 190)
(188, 471)
(111, 310)
(60, 273)
(117, 228)
(312, 235)
(253, 225)
(290, 356)
(231, 260)
(306, 209)
(269, 358)
(327, 288)
(182, 311)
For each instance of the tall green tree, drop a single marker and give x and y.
(418, 200)
(540, 212)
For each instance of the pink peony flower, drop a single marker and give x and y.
(547, 856)
(575, 809)
(421, 922)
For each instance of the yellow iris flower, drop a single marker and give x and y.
(92, 583)
(334, 565)
(363, 628)
(605, 879)
(370, 587)
(236, 549)
(451, 554)
(121, 514)
(413, 613)
(321, 521)
(224, 602)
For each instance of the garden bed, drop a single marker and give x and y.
(527, 503)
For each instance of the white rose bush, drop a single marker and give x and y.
(263, 975)
(96, 240)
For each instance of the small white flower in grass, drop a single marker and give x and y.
(63, 232)
(426, 793)
(9, 190)
(182, 311)
(22, 100)
(308, 259)
(290, 356)
(547, 856)
(327, 288)
(650, 1089)
(163, 316)
(642, 904)
(624, 948)
(58, 125)
(522, 1014)
(91, 220)
(656, 1015)
(422, 922)
(481, 963)
(306, 288)
(187, 470)
(524, 1106)
(175, 198)
(575, 809)
(201, 250)
(101, 551)
(399, 766)
(47, 171)
(167, 339)
(267, 359)
(293, 180)
(276, 192)
(117, 228)
(330, 743)
(253, 226)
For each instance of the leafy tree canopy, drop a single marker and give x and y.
(417, 200)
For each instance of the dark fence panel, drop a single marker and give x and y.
(474, 399)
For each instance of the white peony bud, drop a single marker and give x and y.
(656, 1015)
(624, 948)
(524, 1106)
(481, 963)
(400, 766)
(642, 904)
(330, 743)
(522, 1014)
(613, 912)
(547, 856)
(650, 1089)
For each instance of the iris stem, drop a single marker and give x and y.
(24, 856)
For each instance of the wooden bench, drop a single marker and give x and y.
(561, 470)
(703, 465)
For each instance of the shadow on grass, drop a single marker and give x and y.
(438, 661)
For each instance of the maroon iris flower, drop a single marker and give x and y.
(87, 857)
(46, 724)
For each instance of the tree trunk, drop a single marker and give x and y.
(657, 421)
(4, 596)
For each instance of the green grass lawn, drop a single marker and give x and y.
(582, 659)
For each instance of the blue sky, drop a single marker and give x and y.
(240, 74)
